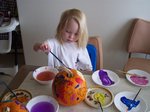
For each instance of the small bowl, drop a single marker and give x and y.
(45, 74)
(43, 103)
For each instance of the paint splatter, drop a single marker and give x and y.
(129, 103)
(105, 78)
(141, 80)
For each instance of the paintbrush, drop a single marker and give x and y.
(58, 59)
(65, 68)
(9, 89)
(132, 74)
(100, 105)
(126, 72)
(134, 98)
(137, 94)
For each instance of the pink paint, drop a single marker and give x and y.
(141, 80)
(73, 97)
(78, 80)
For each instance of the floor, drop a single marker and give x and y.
(7, 60)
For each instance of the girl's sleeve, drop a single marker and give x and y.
(84, 62)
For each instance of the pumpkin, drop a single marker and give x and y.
(69, 88)
(12, 106)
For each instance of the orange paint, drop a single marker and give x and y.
(14, 106)
(45, 76)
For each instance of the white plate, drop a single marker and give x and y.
(22, 95)
(91, 101)
(112, 75)
(141, 74)
(142, 107)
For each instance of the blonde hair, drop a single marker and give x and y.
(80, 18)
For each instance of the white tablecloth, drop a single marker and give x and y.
(37, 89)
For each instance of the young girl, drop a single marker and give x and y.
(69, 43)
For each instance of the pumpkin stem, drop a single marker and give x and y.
(69, 72)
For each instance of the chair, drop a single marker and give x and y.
(139, 43)
(95, 52)
(6, 32)
(93, 55)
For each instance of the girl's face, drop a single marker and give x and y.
(71, 31)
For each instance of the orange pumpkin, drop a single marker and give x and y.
(69, 89)
(12, 106)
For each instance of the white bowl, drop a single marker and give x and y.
(51, 73)
(43, 103)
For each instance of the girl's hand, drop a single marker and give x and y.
(41, 47)
(44, 47)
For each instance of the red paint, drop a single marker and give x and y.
(45, 76)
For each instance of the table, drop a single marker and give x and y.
(24, 80)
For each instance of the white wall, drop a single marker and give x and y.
(110, 19)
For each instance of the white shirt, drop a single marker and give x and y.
(69, 54)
